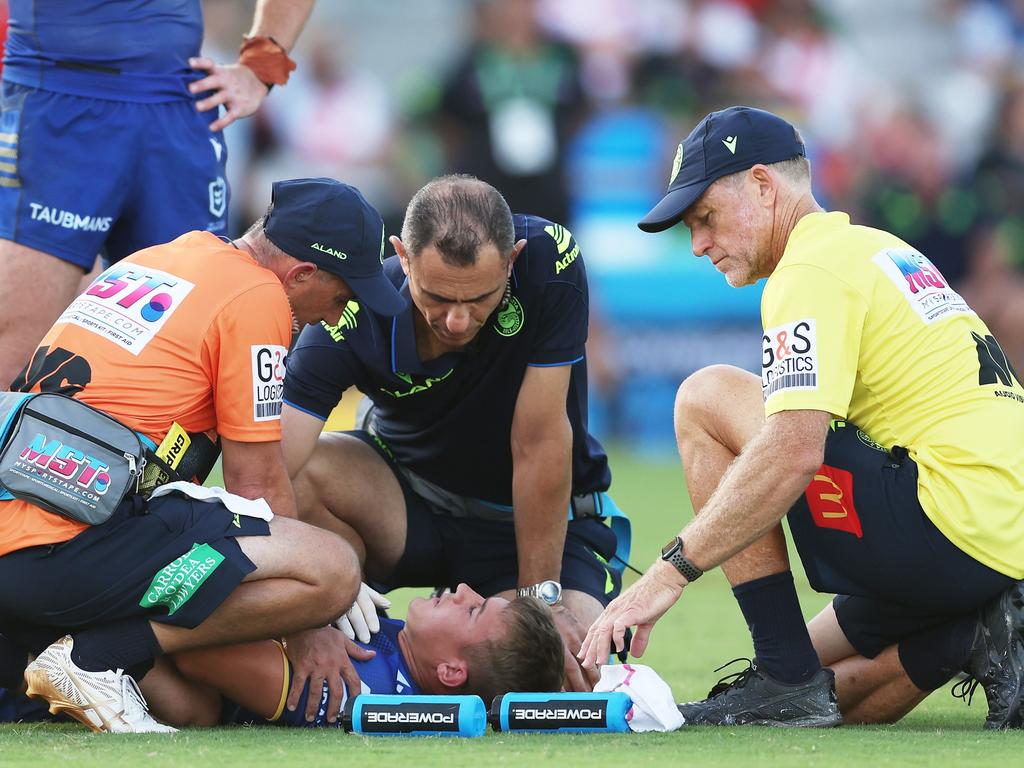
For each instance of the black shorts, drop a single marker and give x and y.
(445, 551)
(174, 560)
(862, 534)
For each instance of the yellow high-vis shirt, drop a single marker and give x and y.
(859, 324)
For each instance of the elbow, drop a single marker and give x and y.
(805, 461)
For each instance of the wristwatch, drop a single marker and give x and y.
(673, 553)
(548, 591)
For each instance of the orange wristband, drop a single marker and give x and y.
(267, 59)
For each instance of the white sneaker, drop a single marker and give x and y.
(106, 702)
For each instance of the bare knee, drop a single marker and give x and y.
(720, 400)
(337, 576)
(321, 560)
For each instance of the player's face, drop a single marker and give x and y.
(321, 296)
(456, 301)
(440, 627)
(729, 227)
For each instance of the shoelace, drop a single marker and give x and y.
(964, 689)
(734, 679)
(131, 693)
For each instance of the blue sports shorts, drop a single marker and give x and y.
(174, 561)
(81, 176)
(862, 535)
(445, 551)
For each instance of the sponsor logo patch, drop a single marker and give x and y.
(563, 713)
(178, 581)
(63, 469)
(69, 219)
(830, 499)
(921, 283)
(128, 305)
(267, 381)
(563, 241)
(789, 358)
(415, 388)
(347, 321)
(329, 251)
(395, 718)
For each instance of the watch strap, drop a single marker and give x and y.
(534, 591)
(676, 558)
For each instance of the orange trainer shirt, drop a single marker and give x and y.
(193, 332)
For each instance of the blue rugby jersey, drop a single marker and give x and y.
(131, 46)
(449, 420)
(385, 673)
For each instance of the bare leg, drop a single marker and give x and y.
(252, 674)
(718, 411)
(34, 289)
(178, 701)
(305, 578)
(89, 277)
(870, 690)
(347, 488)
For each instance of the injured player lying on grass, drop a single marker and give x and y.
(456, 643)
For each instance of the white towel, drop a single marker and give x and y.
(654, 706)
(236, 504)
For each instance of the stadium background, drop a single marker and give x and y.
(913, 112)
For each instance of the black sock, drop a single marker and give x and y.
(129, 645)
(781, 643)
(933, 657)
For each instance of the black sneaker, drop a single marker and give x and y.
(997, 660)
(751, 697)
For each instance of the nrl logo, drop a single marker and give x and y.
(218, 197)
(328, 249)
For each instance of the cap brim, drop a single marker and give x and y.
(670, 210)
(378, 294)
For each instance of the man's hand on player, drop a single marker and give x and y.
(573, 633)
(323, 654)
(639, 606)
(233, 85)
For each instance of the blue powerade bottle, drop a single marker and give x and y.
(561, 712)
(379, 715)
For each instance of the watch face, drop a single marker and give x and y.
(549, 591)
(671, 548)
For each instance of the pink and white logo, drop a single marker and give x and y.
(128, 304)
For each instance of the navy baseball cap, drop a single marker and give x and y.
(332, 225)
(723, 143)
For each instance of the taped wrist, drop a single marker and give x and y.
(267, 59)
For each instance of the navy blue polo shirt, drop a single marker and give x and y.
(449, 420)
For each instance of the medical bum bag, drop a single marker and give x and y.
(67, 457)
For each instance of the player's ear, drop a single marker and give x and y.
(452, 674)
(403, 255)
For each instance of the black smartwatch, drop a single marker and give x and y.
(673, 553)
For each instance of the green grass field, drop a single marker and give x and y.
(703, 631)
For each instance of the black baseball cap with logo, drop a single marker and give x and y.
(723, 143)
(332, 225)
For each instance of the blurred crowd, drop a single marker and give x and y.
(934, 154)
(913, 112)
